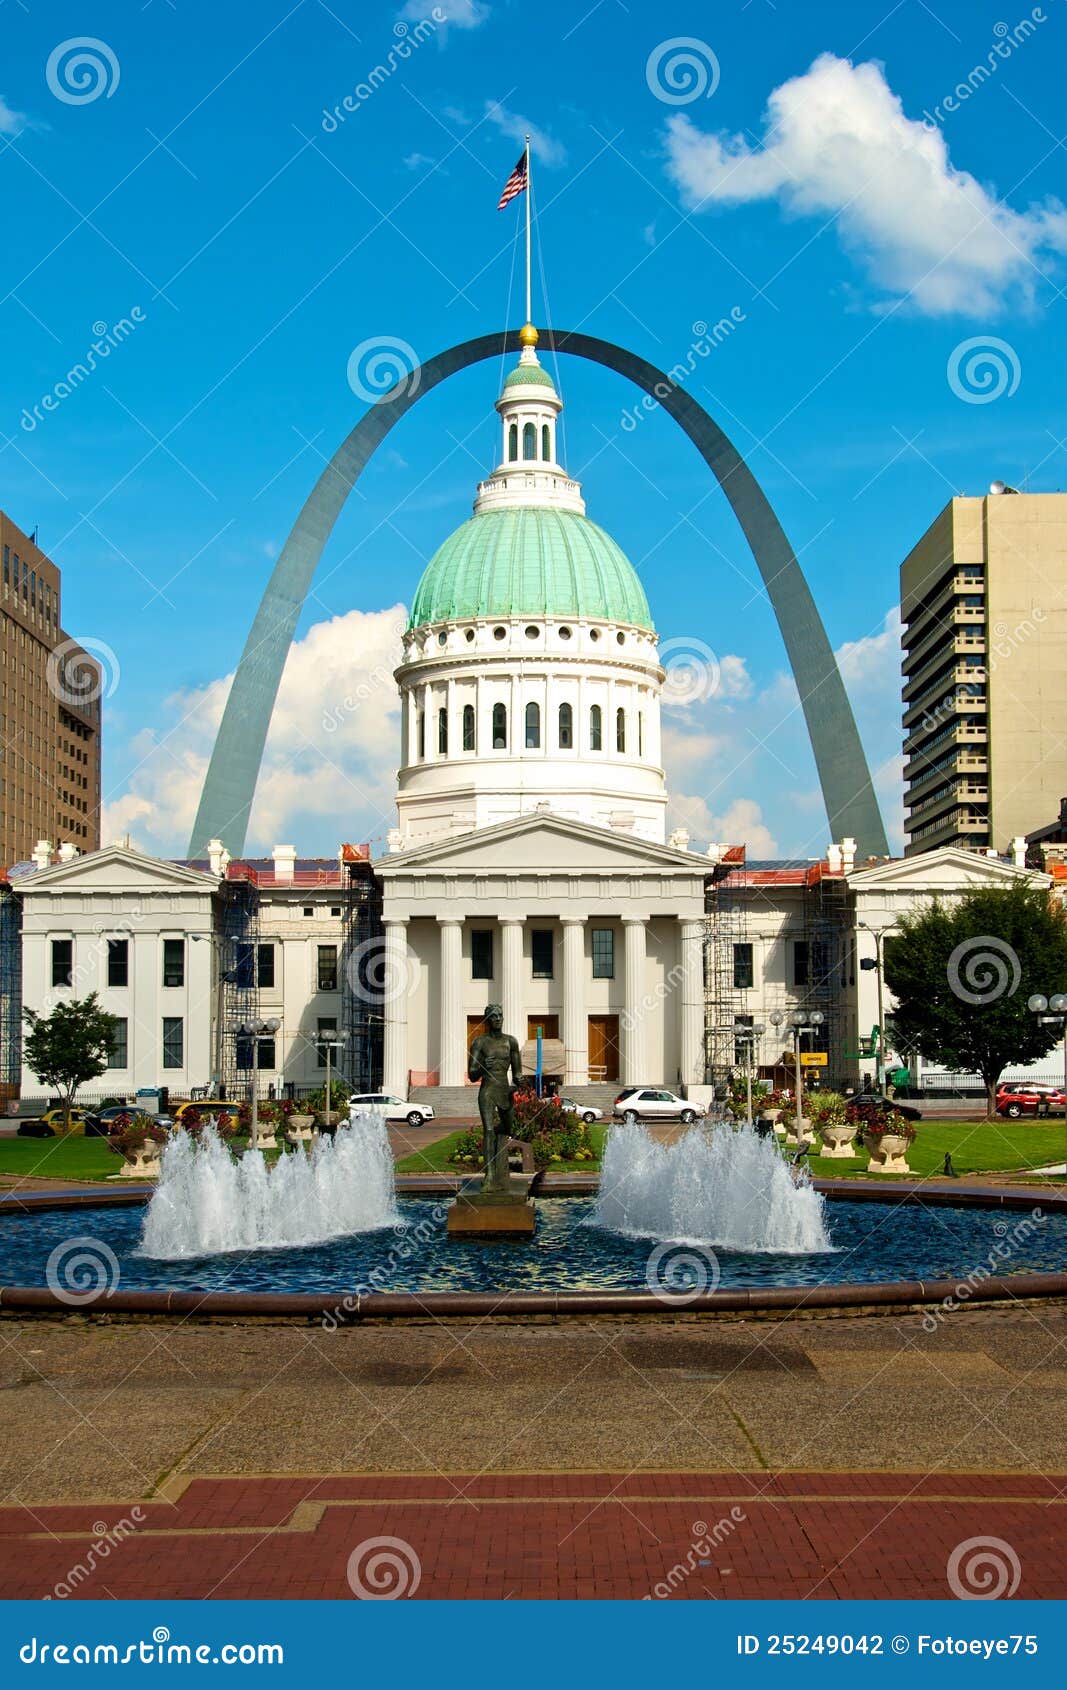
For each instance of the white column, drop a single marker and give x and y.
(395, 987)
(575, 1018)
(691, 1000)
(452, 1055)
(512, 996)
(633, 1022)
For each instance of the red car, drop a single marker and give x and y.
(1026, 1097)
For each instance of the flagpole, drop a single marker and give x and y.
(529, 196)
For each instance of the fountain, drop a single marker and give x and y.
(727, 1188)
(208, 1203)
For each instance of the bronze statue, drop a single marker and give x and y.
(494, 1056)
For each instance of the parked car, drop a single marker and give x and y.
(208, 1107)
(584, 1111)
(54, 1118)
(392, 1108)
(35, 1129)
(1026, 1097)
(653, 1103)
(880, 1101)
(100, 1122)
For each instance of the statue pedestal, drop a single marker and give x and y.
(496, 1214)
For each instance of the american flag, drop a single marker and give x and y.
(516, 184)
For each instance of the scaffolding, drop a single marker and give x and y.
(826, 930)
(728, 962)
(10, 993)
(238, 974)
(362, 971)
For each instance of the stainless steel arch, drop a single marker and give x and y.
(226, 800)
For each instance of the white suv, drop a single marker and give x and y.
(652, 1103)
(392, 1108)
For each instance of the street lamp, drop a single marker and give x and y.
(329, 1042)
(1051, 1011)
(878, 934)
(800, 1020)
(221, 977)
(747, 1038)
(254, 1030)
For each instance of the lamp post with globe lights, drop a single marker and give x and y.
(801, 1021)
(255, 1030)
(748, 1038)
(1052, 1012)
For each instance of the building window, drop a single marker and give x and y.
(174, 963)
(513, 443)
(327, 1029)
(620, 730)
(442, 732)
(421, 736)
(596, 728)
(173, 1041)
(118, 1054)
(62, 962)
(742, 967)
(529, 442)
(533, 726)
(118, 968)
(265, 1055)
(500, 727)
(481, 953)
(603, 953)
(266, 965)
(327, 968)
(468, 727)
(541, 949)
(801, 963)
(744, 1049)
(566, 727)
(640, 733)
(545, 443)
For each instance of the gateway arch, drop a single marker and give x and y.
(229, 787)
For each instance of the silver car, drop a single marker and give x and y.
(391, 1108)
(584, 1111)
(655, 1103)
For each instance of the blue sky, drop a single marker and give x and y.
(259, 241)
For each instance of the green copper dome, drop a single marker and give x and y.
(530, 561)
(528, 375)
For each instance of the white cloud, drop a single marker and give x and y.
(837, 144)
(330, 760)
(741, 823)
(542, 145)
(462, 14)
(10, 121)
(418, 161)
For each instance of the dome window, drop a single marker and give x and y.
(566, 727)
(620, 730)
(442, 732)
(596, 728)
(468, 727)
(500, 633)
(421, 736)
(529, 442)
(620, 639)
(513, 443)
(470, 636)
(640, 733)
(533, 632)
(500, 727)
(564, 633)
(442, 638)
(533, 727)
(594, 634)
(545, 444)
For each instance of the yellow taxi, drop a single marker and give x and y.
(54, 1118)
(207, 1106)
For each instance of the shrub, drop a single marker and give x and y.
(133, 1132)
(195, 1120)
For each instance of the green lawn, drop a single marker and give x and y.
(74, 1158)
(435, 1158)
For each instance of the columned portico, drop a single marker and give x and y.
(633, 1020)
(575, 1020)
(395, 987)
(511, 995)
(452, 1059)
(691, 1026)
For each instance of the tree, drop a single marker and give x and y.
(962, 973)
(68, 1047)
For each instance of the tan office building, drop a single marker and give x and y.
(984, 602)
(49, 711)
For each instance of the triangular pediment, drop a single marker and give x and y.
(116, 868)
(947, 870)
(543, 843)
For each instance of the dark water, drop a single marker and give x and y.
(872, 1241)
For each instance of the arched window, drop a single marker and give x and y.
(500, 727)
(421, 735)
(545, 452)
(468, 727)
(513, 443)
(640, 733)
(620, 730)
(566, 727)
(533, 726)
(529, 442)
(442, 732)
(596, 729)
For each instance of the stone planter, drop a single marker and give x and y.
(805, 1142)
(774, 1116)
(267, 1140)
(300, 1128)
(889, 1154)
(142, 1162)
(837, 1140)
